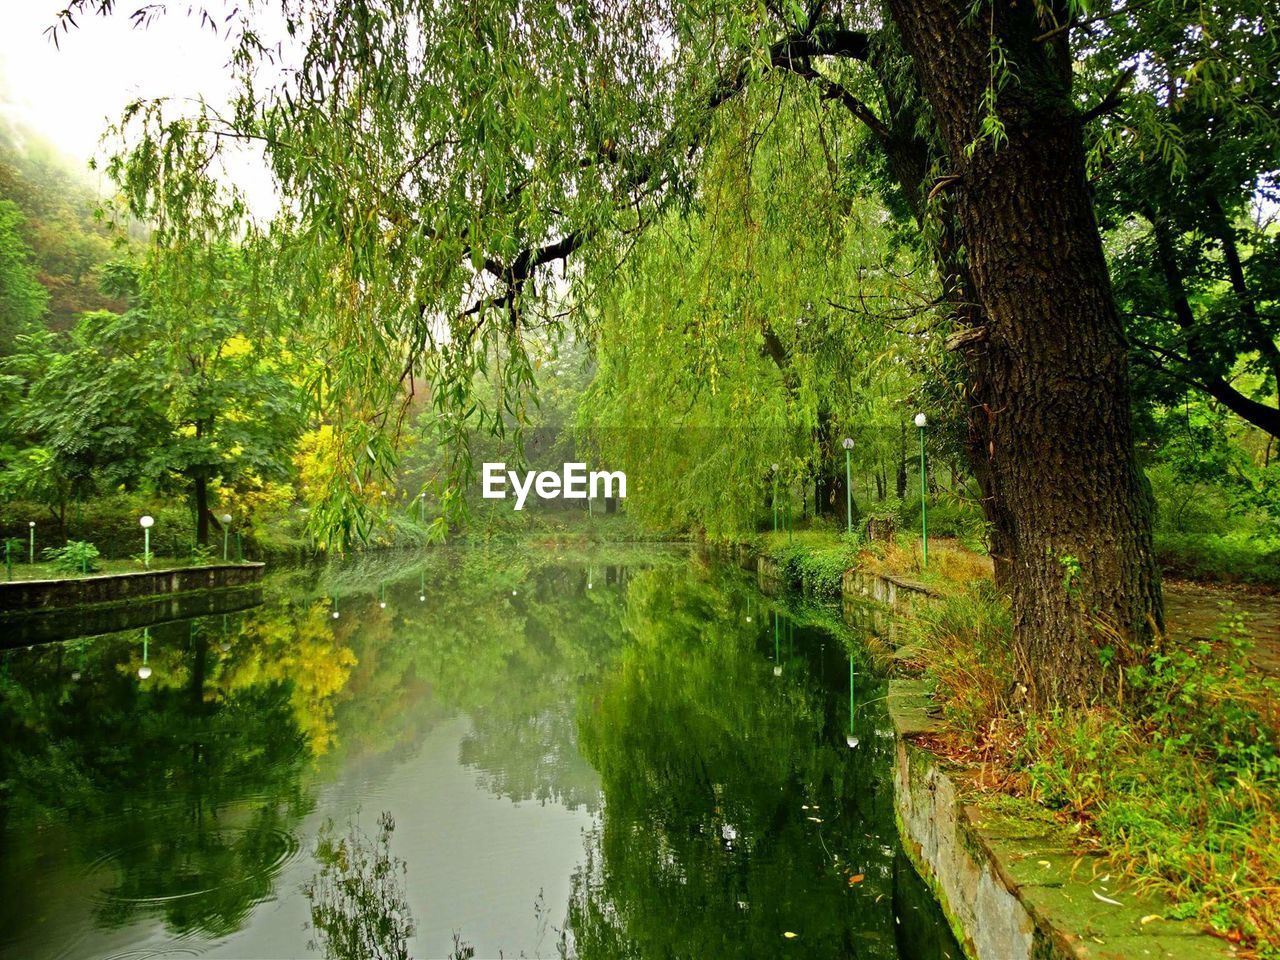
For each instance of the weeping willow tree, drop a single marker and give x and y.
(775, 316)
(441, 162)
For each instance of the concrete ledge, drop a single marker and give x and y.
(24, 596)
(1011, 884)
(897, 592)
(65, 623)
(769, 575)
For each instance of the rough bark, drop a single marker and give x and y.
(201, 495)
(1053, 365)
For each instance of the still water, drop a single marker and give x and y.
(572, 756)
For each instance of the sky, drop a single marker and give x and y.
(70, 95)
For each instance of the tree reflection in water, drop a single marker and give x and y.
(181, 791)
(359, 910)
(707, 753)
(732, 817)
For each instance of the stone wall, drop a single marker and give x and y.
(65, 623)
(32, 595)
(897, 592)
(1011, 883)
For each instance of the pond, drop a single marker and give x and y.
(531, 754)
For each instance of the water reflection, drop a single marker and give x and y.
(738, 824)
(590, 759)
(141, 771)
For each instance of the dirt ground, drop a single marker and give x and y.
(1194, 610)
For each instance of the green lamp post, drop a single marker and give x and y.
(847, 443)
(777, 650)
(851, 739)
(31, 527)
(144, 671)
(921, 422)
(775, 498)
(225, 520)
(146, 522)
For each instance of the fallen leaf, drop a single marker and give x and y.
(1044, 863)
(1106, 899)
(857, 878)
(1149, 917)
(789, 935)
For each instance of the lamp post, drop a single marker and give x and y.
(851, 739)
(225, 520)
(146, 522)
(422, 586)
(847, 443)
(31, 527)
(777, 651)
(144, 671)
(382, 595)
(775, 498)
(921, 422)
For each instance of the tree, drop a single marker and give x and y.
(1185, 150)
(760, 327)
(88, 413)
(22, 298)
(67, 239)
(185, 389)
(442, 159)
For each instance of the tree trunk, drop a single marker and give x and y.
(828, 481)
(901, 485)
(201, 491)
(1083, 573)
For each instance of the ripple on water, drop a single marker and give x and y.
(160, 870)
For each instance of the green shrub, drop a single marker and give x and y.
(1235, 558)
(78, 556)
(1190, 507)
(816, 561)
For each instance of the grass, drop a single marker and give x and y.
(1177, 783)
(951, 564)
(1227, 558)
(814, 559)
